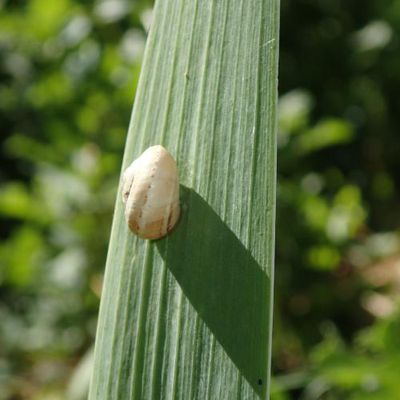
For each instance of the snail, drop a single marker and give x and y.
(150, 191)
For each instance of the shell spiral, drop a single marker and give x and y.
(150, 191)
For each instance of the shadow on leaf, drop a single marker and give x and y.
(224, 284)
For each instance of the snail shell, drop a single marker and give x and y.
(150, 191)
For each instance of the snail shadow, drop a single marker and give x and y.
(223, 283)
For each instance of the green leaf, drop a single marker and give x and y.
(21, 256)
(326, 133)
(190, 316)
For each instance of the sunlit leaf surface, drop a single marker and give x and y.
(189, 316)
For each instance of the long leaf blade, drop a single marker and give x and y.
(189, 316)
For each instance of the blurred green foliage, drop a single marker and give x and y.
(336, 311)
(68, 72)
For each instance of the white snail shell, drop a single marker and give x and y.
(150, 191)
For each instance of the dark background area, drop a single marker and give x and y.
(68, 73)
